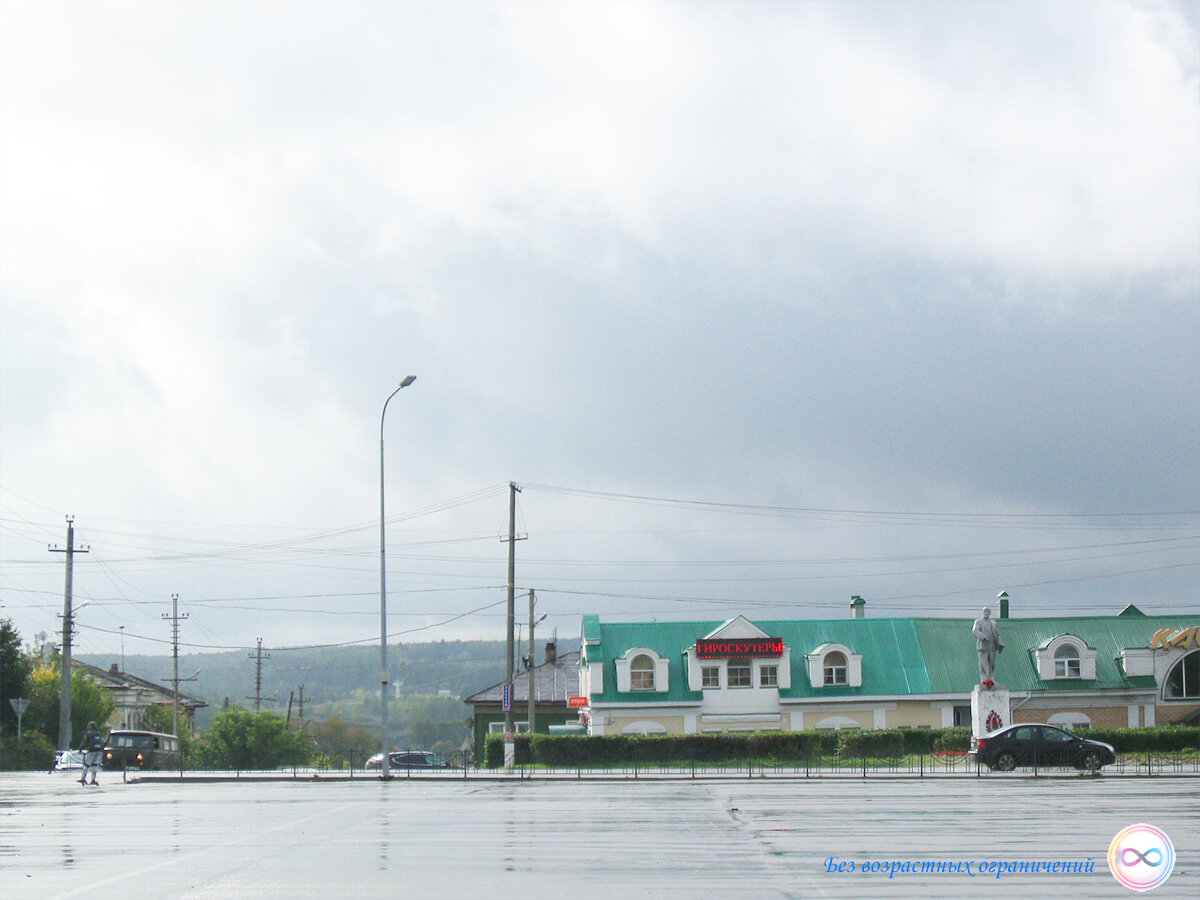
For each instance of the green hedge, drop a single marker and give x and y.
(789, 746)
(621, 749)
(493, 751)
(951, 740)
(883, 744)
(33, 753)
(1163, 739)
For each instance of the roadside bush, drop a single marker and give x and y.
(329, 761)
(33, 754)
(239, 739)
(1161, 739)
(493, 751)
(617, 749)
(951, 740)
(882, 744)
(789, 747)
(922, 740)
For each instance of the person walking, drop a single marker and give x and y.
(93, 744)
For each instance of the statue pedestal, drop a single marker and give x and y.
(989, 709)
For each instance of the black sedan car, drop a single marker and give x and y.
(1040, 745)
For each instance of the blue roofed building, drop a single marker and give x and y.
(1127, 669)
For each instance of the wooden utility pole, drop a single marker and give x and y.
(68, 626)
(174, 618)
(530, 673)
(258, 661)
(509, 746)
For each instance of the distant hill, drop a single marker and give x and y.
(329, 675)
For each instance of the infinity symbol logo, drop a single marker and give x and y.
(1142, 857)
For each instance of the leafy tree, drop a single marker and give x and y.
(425, 734)
(89, 702)
(422, 720)
(42, 713)
(158, 718)
(34, 752)
(341, 739)
(14, 675)
(240, 739)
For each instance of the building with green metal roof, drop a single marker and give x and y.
(1127, 669)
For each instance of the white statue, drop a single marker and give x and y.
(988, 645)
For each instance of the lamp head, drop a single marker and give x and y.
(408, 379)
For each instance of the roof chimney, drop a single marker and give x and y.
(551, 652)
(1003, 598)
(858, 607)
(113, 670)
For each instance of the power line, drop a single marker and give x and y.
(761, 509)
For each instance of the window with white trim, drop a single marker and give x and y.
(1066, 656)
(768, 676)
(1066, 662)
(710, 676)
(641, 673)
(835, 666)
(738, 673)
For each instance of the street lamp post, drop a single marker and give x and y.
(383, 664)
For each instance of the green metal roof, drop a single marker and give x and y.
(951, 661)
(891, 654)
(900, 656)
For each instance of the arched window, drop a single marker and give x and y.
(1066, 661)
(641, 673)
(1070, 720)
(1183, 681)
(835, 667)
(837, 723)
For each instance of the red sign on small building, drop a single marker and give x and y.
(727, 649)
(577, 701)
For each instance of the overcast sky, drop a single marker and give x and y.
(764, 305)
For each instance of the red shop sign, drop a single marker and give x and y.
(726, 649)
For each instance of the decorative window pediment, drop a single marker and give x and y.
(641, 669)
(738, 627)
(1066, 657)
(834, 665)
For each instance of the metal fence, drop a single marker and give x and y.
(832, 765)
(920, 765)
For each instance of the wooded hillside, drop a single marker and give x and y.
(336, 680)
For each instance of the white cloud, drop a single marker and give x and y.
(820, 254)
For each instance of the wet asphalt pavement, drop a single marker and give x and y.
(481, 839)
